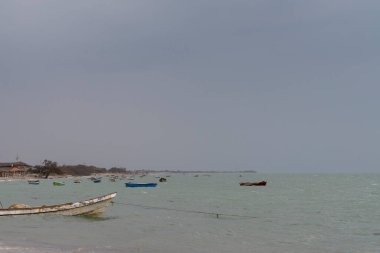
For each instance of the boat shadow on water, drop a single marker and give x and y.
(92, 218)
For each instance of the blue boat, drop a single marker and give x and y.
(140, 184)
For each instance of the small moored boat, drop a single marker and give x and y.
(33, 181)
(129, 184)
(96, 179)
(56, 183)
(261, 183)
(90, 207)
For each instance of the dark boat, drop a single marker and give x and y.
(140, 184)
(262, 183)
(162, 179)
(96, 179)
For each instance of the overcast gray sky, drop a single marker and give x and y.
(269, 85)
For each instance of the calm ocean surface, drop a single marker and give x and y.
(298, 213)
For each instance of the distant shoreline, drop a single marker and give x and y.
(135, 173)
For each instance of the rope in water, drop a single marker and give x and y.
(186, 211)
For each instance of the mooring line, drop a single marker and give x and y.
(186, 211)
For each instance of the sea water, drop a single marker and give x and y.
(298, 213)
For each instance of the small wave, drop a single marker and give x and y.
(21, 249)
(109, 249)
(8, 248)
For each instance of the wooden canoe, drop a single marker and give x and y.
(91, 207)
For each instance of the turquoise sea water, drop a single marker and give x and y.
(296, 213)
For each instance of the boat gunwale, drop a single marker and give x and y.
(57, 206)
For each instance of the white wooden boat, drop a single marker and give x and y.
(92, 207)
(33, 181)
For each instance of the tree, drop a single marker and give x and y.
(50, 167)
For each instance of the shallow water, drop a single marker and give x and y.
(293, 213)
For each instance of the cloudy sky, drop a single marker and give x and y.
(269, 85)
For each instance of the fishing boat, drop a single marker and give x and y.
(261, 183)
(129, 184)
(33, 181)
(56, 183)
(91, 207)
(96, 179)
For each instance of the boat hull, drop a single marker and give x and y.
(262, 183)
(140, 185)
(91, 207)
(35, 182)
